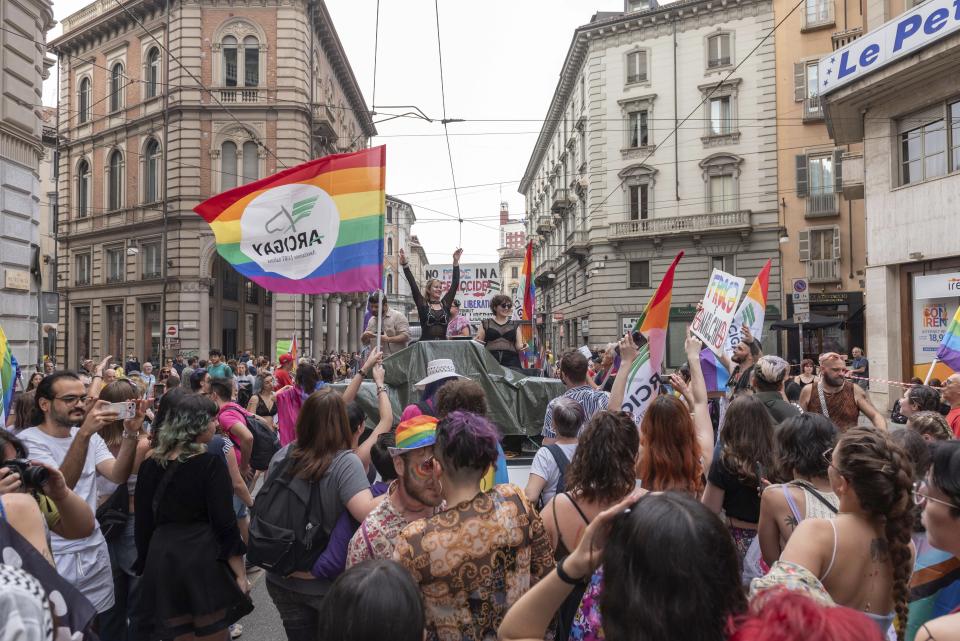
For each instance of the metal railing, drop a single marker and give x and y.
(823, 204)
(823, 270)
(700, 223)
(718, 62)
(812, 109)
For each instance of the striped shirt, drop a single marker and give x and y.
(591, 400)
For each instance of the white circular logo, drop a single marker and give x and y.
(290, 230)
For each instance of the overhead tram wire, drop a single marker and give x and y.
(226, 110)
(376, 43)
(446, 121)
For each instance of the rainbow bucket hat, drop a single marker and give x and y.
(414, 433)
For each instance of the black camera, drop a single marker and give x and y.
(31, 476)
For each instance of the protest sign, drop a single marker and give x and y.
(479, 283)
(712, 322)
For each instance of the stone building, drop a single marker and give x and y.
(399, 221)
(612, 193)
(162, 105)
(24, 27)
(511, 252)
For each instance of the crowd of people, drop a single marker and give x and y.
(786, 508)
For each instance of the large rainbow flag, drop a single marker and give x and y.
(751, 312)
(643, 379)
(8, 375)
(528, 300)
(311, 229)
(949, 351)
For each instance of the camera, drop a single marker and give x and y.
(31, 476)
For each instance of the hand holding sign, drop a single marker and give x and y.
(716, 312)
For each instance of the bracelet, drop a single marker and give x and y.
(127, 435)
(96, 376)
(382, 388)
(566, 578)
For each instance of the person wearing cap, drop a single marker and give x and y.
(282, 374)
(414, 495)
(395, 329)
(769, 374)
(834, 396)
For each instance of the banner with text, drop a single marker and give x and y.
(479, 283)
(712, 322)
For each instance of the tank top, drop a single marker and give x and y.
(842, 406)
(502, 337)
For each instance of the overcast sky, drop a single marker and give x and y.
(501, 61)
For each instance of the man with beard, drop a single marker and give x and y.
(745, 355)
(413, 496)
(834, 396)
(82, 456)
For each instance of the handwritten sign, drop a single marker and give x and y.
(479, 283)
(719, 305)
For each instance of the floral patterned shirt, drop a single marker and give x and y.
(475, 560)
(377, 535)
(587, 625)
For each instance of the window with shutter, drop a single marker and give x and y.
(799, 81)
(803, 245)
(838, 170)
(836, 242)
(801, 175)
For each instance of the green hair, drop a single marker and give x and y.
(187, 420)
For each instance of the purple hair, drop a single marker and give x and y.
(467, 441)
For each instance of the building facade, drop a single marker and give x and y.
(49, 298)
(906, 114)
(162, 105)
(511, 252)
(612, 193)
(399, 222)
(24, 27)
(823, 222)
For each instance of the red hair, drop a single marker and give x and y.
(785, 615)
(670, 457)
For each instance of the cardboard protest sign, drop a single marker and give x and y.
(712, 322)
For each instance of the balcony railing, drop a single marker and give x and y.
(812, 110)
(324, 121)
(853, 175)
(843, 38)
(561, 199)
(823, 204)
(544, 224)
(823, 271)
(232, 96)
(679, 225)
(577, 242)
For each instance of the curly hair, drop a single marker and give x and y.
(461, 394)
(671, 452)
(603, 469)
(747, 437)
(881, 475)
(184, 422)
(932, 424)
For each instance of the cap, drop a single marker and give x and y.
(286, 358)
(414, 433)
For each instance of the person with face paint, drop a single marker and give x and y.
(433, 306)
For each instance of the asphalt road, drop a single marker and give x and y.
(263, 624)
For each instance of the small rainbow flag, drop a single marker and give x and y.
(751, 312)
(8, 375)
(643, 378)
(528, 292)
(949, 351)
(311, 229)
(714, 373)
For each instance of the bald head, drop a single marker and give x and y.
(951, 391)
(832, 368)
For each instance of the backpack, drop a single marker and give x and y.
(266, 442)
(562, 462)
(286, 523)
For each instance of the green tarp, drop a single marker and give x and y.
(516, 402)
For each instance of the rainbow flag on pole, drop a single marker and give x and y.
(949, 351)
(8, 375)
(528, 301)
(715, 374)
(311, 229)
(751, 312)
(643, 379)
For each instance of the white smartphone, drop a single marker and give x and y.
(124, 409)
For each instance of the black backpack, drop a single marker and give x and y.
(287, 533)
(266, 442)
(562, 462)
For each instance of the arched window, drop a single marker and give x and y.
(389, 246)
(151, 171)
(152, 72)
(83, 101)
(389, 283)
(251, 162)
(116, 87)
(229, 47)
(228, 165)
(83, 189)
(115, 181)
(251, 62)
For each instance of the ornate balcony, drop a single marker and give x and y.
(577, 243)
(561, 200)
(823, 271)
(681, 225)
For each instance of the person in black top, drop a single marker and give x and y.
(434, 312)
(189, 550)
(500, 334)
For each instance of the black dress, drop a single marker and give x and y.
(183, 543)
(501, 341)
(433, 322)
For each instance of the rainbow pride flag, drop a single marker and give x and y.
(528, 293)
(751, 312)
(643, 378)
(949, 351)
(714, 373)
(8, 375)
(311, 229)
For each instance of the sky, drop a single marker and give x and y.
(501, 63)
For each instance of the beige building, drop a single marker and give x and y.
(49, 298)
(23, 28)
(823, 220)
(160, 107)
(905, 112)
(511, 252)
(399, 222)
(612, 194)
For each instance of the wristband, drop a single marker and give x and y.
(382, 388)
(566, 578)
(128, 435)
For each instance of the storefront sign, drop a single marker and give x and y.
(17, 279)
(935, 300)
(479, 283)
(718, 308)
(906, 34)
(937, 286)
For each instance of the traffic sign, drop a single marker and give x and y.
(801, 291)
(172, 331)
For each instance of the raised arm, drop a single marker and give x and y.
(455, 282)
(350, 394)
(700, 409)
(628, 354)
(414, 288)
(386, 417)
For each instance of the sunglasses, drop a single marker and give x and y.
(921, 496)
(506, 305)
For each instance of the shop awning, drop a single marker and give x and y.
(816, 322)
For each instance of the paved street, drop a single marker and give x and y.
(264, 622)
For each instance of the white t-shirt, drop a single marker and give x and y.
(53, 451)
(546, 468)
